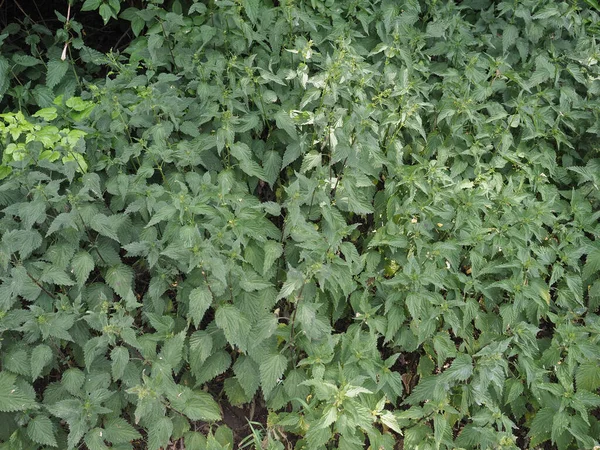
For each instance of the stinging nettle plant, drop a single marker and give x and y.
(376, 219)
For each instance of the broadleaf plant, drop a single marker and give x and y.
(376, 220)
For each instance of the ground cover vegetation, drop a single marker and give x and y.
(374, 221)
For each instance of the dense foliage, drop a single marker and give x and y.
(380, 217)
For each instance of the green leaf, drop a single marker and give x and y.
(510, 33)
(4, 77)
(252, 8)
(119, 431)
(56, 72)
(236, 395)
(272, 166)
(214, 365)
(63, 220)
(106, 12)
(119, 357)
(91, 5)
(243, 154)
(588, 376)
(105, 226)
(41, 355)
(17, 361)
(541, 426)
(82, 265)
(234, 324)
(224, 436)
(285, 122)
(200, 301)
(271, 371)
(440, 427)
(160, 433)
(172, 350)
(247, 374)
(41, 430)
(273, 250)
(592, 264)
(22, 241)
(194, 441)
(11, 397)
(311, 160)
(389, 420)
(460, 370)
(165, 213)
(292, 153)
(54, 275)
(72, 380)
(201, 406)
(201, 345)
(94, 439)
(120, 279)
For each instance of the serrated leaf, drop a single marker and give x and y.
(4, 78)
(510, 33)
(243, 154)
(72, 380)
(272, 166)
(119, 357)
(271, 371)
(119, 431)
(389, 420)
(94, 439)
(251, 7)
(214, 365)
(172, 350)
(160, 433)
(166, 212)
(200, 301)
(592, 264)
(201, 406)
(193, 439)
(247, 373)
(352, 199)
(588, 376)
(285, 122)
(440, 427)
(41, 355)
(273, 250)
(41, 430)
(82, 265)
(23, 241)
(120, 279)
(460, 369)
(93, 348)
(292, 153)
(17, 361)
(234, 392)
(234, 324)
(63, 220)
(11, 397)
(32, 212)
(311, 160)
(292, 283)
(541, 426)
(201, 345)
(56, 72)
(55, 275)
(105, 226)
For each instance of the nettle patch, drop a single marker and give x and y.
(376, 219)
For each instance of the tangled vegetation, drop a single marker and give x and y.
(376, 222)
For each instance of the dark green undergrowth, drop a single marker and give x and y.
(379, 218)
